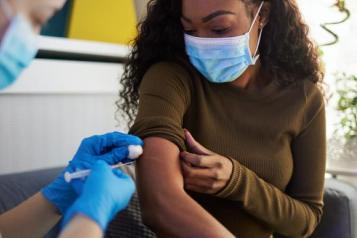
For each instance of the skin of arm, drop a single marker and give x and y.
(166, 207)
(82, 226)
(35, 216)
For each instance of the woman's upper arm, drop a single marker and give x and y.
(309, 152)
(159, 168)
(164, 97)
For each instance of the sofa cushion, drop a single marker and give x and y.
(128, 223)
(15, 188)
(340, 211)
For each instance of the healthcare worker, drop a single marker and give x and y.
(87, 205)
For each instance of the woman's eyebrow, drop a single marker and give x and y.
(210, 16)
(216, 14)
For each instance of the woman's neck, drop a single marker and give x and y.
(251, 78)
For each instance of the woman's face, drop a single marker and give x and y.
(40, 11)
(219, 18)
(37, 11)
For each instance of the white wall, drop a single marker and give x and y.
(51, 108)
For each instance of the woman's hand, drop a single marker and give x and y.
(204, 171)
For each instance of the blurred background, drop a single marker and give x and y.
(333, 25)
(69, 92)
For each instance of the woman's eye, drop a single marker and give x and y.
(221, 31)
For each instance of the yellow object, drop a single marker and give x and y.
(112, 21)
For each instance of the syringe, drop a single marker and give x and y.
(134, 153)
(84, 173)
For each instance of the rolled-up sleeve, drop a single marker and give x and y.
(164, 96)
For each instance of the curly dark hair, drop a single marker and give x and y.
(286, 52)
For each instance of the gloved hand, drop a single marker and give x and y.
(111, 148)
(105, 192)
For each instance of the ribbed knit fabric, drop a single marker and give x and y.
(275, 137)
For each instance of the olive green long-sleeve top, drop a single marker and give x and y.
(275, 137)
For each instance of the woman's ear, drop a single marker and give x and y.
(264, 14)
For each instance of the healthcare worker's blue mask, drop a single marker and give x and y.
(222, 60)
(17, 48)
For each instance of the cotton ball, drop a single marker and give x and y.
(135, 151)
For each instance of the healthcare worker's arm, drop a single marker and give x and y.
(104, 194)
(166, 207)
(34, 217)
(82, 226)
(38, 214)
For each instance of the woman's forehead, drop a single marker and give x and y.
(198, 9)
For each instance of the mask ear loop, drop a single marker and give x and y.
(256, 17)
(256, 57)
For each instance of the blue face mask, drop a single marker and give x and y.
(222, 60)
(17, 49)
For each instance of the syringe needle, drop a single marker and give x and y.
(84, 173)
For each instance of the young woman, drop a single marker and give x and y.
(243, 78)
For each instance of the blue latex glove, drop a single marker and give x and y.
(111, 148)
(105, 192)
